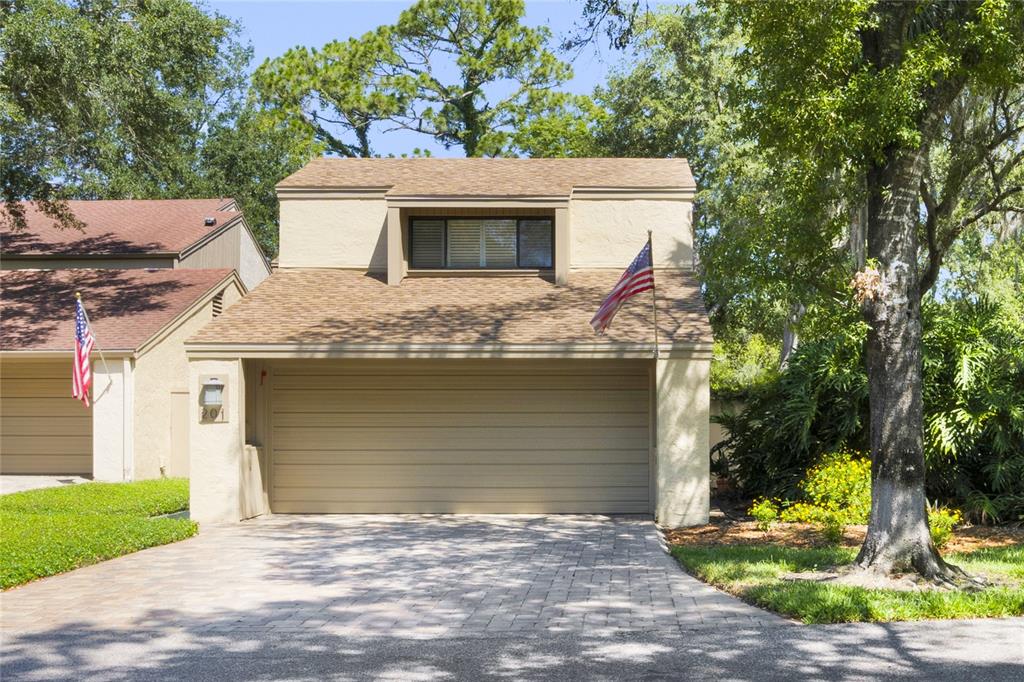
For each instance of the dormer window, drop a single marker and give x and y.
(481, 243)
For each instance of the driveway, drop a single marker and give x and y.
(15, 483)
(405, 576)
(443, 597)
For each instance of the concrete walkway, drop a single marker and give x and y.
(15, 483)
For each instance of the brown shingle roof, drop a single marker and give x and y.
(339, 306)
(126, 307)
(490, 177)
(131, 226)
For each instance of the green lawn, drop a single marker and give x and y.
(753, 572)
(50, 531)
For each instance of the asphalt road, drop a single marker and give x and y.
(952, 650)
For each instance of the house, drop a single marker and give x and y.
(125, 234)
(424, 346)
(151, 273)
(137, 425)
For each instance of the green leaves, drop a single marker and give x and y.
(467, 73)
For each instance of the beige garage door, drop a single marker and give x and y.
(460, 436)
(43, 430)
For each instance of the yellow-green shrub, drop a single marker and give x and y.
(765, 512)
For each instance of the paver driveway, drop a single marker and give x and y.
(396, 576)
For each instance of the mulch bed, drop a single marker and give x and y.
(731, 532)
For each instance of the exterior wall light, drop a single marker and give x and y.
(211, 398)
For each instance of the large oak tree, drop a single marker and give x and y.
(903, 121)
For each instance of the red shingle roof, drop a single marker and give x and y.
(119, 227)
(490, 177)
(126, 307)
(343, 306)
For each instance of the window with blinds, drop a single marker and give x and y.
(480, 243)
(427, 244)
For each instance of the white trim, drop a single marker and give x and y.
(128, 434)
(385, 350)
(667, 193)
(8, 355)
(188, 312)
(331, 192)
(483, 202)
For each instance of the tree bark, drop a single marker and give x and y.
(898, 537)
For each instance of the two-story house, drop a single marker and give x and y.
(150, 273)
(425, 346)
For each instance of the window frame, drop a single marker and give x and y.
(444, 241)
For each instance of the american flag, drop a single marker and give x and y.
(637, 278)
(81, 373)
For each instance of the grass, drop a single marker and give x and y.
(53, 530)
(753, 572)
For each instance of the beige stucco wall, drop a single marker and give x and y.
(216, 449)
(608, 233)
(333, 233)
(682, 465)
(113, 394)
(160, 371)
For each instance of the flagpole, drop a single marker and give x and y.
(654, 295)
(110, 379)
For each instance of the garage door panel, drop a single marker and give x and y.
(449, 457)
(467, 367)
(476, 419)
(457, 401)
(463, 507)
(48, 464)
(433, 382)
(16, 425)
(460, 437)
(458, 476)
(32, 387)
(43, 430)
(47, 408)
(482, 494)
(455, 438)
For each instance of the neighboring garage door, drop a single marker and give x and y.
(460, 436)
(43, 430)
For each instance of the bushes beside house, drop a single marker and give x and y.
(973, 401)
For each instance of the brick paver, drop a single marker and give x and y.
(404, 576)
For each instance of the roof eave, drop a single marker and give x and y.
(675, 349)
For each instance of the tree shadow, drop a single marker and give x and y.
(25, 243)
(38, 305)
(299, 598)
(500, 311)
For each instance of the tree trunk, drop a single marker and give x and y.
(898, 537)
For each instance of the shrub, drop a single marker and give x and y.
(817, 405)
(836, 491)
(973, 415)
(941, 522)
(765, 512)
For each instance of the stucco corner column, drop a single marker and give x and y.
(113, 388)
(396, 255)
(215, 445)
(682, 466)
(563, 246)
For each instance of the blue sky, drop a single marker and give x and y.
(272, 27)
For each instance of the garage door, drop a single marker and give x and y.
(43, 430)
(460, 436)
